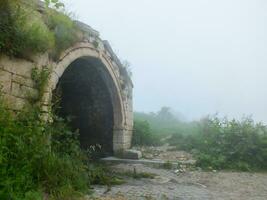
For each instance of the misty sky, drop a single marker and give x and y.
(196, 56)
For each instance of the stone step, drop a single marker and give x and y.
(151, 163)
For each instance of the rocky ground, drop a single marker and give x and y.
(173, 184)
(165, 152)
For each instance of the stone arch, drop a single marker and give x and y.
(109, 73)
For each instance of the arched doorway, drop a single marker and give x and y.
(88, 101)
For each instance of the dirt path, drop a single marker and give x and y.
(189, 185)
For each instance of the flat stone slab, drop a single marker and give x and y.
(152, 163)
(132, 154)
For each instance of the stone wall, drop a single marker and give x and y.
(15, 80)
(17, 85)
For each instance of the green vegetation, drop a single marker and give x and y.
(164, 123)
(24, 31)
(215, 143)
(226, 144)
(152, 128)
(142, 135)
(102, 175)
(40, 78)
(30, 164)
(167, 165)
(53, 3)
(65, 31)
(38, 158)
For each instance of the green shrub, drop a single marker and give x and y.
(225, 144)
(38, 157)
(64, 29)
(167, 165)
(165, 123)
(23, 144)
(38, 38)
(142, 134)
(22, 30)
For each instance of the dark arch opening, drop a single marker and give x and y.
(86, 101)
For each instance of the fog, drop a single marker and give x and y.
(197, 56)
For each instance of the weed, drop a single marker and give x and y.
(24, 31)
(19, 34)
(65, 31)
(101, 175)
(167, 165)
(40, 78)
(95, 43)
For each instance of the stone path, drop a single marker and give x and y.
(186, 185)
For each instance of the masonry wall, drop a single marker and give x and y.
(17, 85)
(15, 80)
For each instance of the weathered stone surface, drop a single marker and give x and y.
(45, 108)
(47, 97)
(23, 81)
(14, 103)
(131, 154)
(23, 91)
(17, 66)
(41, 60)
(5, 81)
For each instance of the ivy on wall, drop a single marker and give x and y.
(40, 78)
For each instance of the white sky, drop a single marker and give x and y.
(196, 56)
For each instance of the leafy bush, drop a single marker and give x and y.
(38, 158)
(19, 33)
(165, 122)
(227, 144)
(30, 164)
(64, 29)
(38, 38)
(24, 31)
(142, 134)
(216, 143)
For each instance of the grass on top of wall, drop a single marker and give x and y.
(24, 31)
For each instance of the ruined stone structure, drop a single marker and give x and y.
(95, 90)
